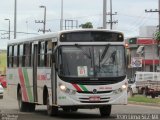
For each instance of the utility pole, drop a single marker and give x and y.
(61, 20)
(15, 18)
(157, 11)
(111, 22)
(9, 29)
(104, 14)
(43, 21)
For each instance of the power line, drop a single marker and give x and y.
(157, 11)
(111, 22)
(20, 32)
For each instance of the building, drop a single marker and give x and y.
(142, 55)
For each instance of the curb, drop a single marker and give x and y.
(145, 104)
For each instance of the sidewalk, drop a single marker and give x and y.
(8, 102)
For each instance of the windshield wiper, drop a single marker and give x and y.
(83, 51)
(104, 52)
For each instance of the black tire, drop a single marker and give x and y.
(31, 107)
(105, 111)
(69, 109)
(74, 109)
(1, 97)
(153, 95)
(66, 109)
(51, 110)
(22, 105)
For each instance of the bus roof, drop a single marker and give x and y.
(52, 35)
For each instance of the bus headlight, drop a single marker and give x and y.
(62, 87)
(67, 90)
(124, 86)
(117, 91)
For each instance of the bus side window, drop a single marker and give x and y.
(10, 56)
(41, 51)
(48, 52)
(27, 55)
(15, 56)
(7, 56)
(20, 55)
(31, 50)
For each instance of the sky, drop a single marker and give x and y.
(130, 15)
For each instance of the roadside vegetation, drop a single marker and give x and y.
(143, 99)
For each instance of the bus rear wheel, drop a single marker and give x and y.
(51, 110)
(22, 105)
(105, 111)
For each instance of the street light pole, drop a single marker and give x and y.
(61, 21)
(104, 14)
(44, 22)
(9, 30)
(159, 14)
(111, 25)
(15, 19)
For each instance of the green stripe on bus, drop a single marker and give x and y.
(83, 87)
(28, 85)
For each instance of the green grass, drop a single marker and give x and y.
(143, 99)
(3, 62)
(3, 59)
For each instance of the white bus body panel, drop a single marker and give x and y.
(66, 99)
(24, 77)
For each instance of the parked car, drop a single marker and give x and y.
(3, 81)
(146, 83)
(1, 91)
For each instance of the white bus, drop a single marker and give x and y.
(69, 69)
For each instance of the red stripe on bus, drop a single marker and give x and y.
(77, 87)
(22, 82)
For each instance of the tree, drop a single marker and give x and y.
(157, 37)
(86, 25)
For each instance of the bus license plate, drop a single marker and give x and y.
(94, 98)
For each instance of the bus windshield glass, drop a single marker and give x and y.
(91, 36)
(91, 61)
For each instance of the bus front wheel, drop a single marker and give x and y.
(51, 110)
(22, 105)
(105, 111)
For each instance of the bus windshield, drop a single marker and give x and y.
(91, 61)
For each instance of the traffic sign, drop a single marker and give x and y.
(136, 62)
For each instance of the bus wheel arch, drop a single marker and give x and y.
(18, 88)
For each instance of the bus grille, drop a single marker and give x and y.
(91, 92)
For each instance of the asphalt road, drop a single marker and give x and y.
(9, 109)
